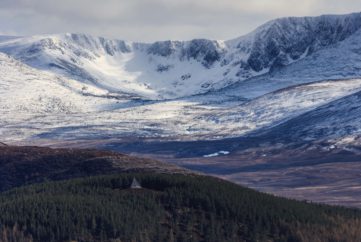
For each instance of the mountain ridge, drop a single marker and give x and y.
(173, 69)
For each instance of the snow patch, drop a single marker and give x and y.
(222, 152)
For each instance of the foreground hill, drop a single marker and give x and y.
(167, 208)
(26, 165)
(84, 195)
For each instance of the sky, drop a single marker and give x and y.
(151, 20)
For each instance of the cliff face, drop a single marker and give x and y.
(286, 40)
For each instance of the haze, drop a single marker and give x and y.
(150, 20)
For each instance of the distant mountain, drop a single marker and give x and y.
(173, 69)
(217, 89)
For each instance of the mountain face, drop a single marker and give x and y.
(283, 41)
(173, 69)
(150, 71)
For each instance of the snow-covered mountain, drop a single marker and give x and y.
(37, 104)
(150, 71)
(173, 69)
(76, 86)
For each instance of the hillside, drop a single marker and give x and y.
(84, 195)
(27, 165)
(167, 208)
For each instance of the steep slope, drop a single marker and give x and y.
(173, 69)
(283, 41)
(152, 71)
(27, 94)
(37, 91)
(338, 61)
(336, 123)
(279, 106)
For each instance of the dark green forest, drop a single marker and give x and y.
(168, 208)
